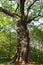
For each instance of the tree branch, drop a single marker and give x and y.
(31, 5)
(22, 2)
(17, 7)
(29, 21)
(34, 17)
(8, 12)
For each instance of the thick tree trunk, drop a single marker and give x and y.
(23, 38)
(23, 43)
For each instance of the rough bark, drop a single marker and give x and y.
(23, 43)
(23, 40)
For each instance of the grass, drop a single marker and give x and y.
(6, 61)
(27, 64)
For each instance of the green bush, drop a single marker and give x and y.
(35, 55)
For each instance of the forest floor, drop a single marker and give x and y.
(7, 63)
(28, 64)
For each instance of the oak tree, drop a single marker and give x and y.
(22, 19)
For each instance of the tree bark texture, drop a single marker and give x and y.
(21, 55)
(23, 43)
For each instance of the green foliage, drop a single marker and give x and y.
(7, 44)
(36, 34)
(35, 55)
(35, 8)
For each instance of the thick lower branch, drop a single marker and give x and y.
(9, 13)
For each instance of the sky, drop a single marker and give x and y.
(38, 22)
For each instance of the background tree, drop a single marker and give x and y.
(22, 20)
